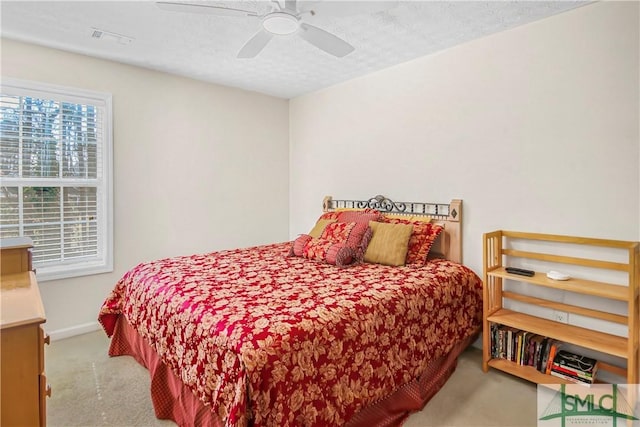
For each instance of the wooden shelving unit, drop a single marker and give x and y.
(498, 253)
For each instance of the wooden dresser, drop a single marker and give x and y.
(23, 383)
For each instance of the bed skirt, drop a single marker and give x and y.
(174, 401)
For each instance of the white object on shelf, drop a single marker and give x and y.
(556, 275)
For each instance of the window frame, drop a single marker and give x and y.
(104, 263)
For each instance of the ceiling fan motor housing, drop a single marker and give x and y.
(280, 23)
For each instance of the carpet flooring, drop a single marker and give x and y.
(89, 388)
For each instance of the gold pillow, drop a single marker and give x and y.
(317, 229)
(389, 243)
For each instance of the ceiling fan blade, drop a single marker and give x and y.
(325, 41)
(202, 8)
(255, 44)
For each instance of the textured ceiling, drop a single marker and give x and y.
(204, 46)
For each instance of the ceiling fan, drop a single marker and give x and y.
(279, 21)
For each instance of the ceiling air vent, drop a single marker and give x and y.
(110, 36)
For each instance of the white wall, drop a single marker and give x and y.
(536, 129)
(197, 167)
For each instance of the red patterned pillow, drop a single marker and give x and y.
(364, 216)
(329, 215)
(297, 246)
(338, 231)
(338, 254)
(422, 238)
(355, 235)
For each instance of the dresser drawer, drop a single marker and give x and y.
(20, 384)
(43, 339)
(16, 255)
(45, 391)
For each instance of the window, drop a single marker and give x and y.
(55, 176)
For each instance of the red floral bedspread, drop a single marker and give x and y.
(288, 341)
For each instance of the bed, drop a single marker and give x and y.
(278, 335)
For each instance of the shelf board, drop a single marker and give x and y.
(528, 373)
(600, 341)
(581, 286)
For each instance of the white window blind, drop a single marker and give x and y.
(55, 172)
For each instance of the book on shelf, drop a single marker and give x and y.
(576, 380)
(510, 342)
(502, 339)
(576, 366)
(535, 347)
(520, 336)
(494, 340)
(523, 347)
(541, 360)
(544, 354)
(498, 341)
(552, 348)
(576, 374)
(554, 345)
(576, 362)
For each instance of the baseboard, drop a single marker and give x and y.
(73, 331)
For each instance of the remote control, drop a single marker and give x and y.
(520, 271)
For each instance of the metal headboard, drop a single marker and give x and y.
(381, 203)
(449, 215)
